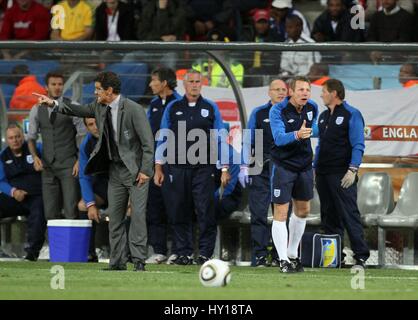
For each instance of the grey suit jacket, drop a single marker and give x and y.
(134, 136)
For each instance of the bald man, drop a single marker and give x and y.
(259, 197)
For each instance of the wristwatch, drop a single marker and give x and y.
(224, 169)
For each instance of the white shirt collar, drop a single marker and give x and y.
(115, 103)
(392, 12)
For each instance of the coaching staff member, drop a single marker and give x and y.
(126, 149)
(337, 159)
(190, 185)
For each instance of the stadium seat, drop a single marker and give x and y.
(7, 90)
(5, 229)
(6, 66)
(41, 67)
(133, 77)
(234, 220)
(375, 196)
(404, 218)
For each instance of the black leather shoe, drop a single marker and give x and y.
(115, 268)
(30, 256)
(139, 266)
(92, 258)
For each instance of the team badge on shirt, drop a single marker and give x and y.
(204, 113)
(291, 121)
(179, 113)
(310, 115)
(29, 159)
(277, 193)
(339, 120)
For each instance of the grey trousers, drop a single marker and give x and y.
(121, 189)
(60, 190)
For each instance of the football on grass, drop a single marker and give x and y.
(215, 273)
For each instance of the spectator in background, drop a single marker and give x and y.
(59, 164)
(262, 62)
(318, 74)
(334, 25)
(213, 72)
(114, 21)
(297, 62)
(162, 20)
(280, 10)
(21, 189)
(72, 21)
(22, 98)
(206, 15)
(392, 24)
(25, 20)
(408, 75)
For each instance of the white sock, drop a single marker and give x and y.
(279, 234)
(296, 230)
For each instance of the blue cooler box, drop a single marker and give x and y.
(69, 240)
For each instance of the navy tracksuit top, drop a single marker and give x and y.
(19, 172)
(204, 115)
(287, 151)
(156, 110)
(341, 140)
(259, 119)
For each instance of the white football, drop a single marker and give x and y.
(215, 273)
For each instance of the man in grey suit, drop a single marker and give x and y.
(126, 149)
(59, 164)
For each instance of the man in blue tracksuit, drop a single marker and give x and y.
(259, 197)
(291, 124)
(337, 159)
(189, 174)
(163, 84)
(93, 188)
(21, 189)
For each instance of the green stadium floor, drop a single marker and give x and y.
(32, 280)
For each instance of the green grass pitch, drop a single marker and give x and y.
(27, 280)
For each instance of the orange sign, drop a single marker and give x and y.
(391, 133)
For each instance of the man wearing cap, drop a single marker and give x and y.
(280, 10)
(262, 62)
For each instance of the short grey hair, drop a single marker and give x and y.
(191, 71)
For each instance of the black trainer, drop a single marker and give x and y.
(93, 258)
(261, 262)
(275, 262)
(360, 263)
(201, 260)
(297, 265)
(183, 260)
(286, 267)
(139, 266)
(30, 256)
